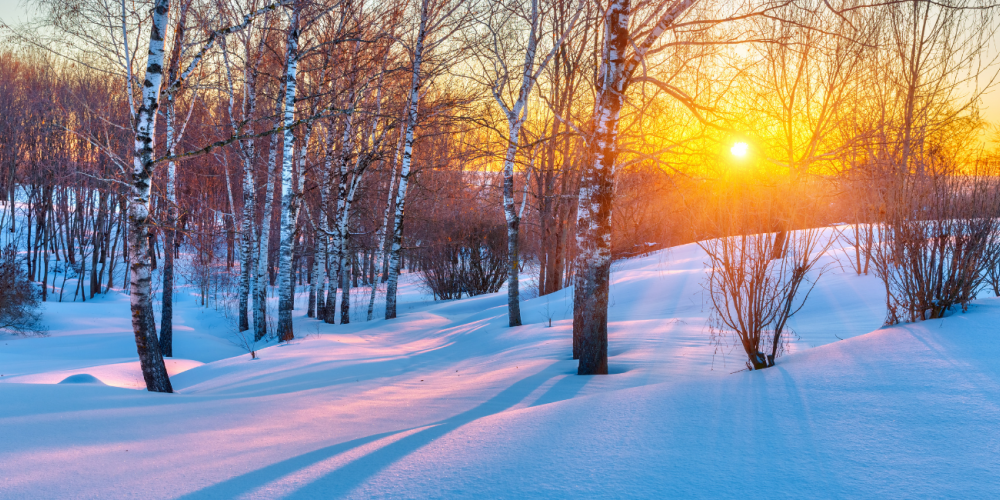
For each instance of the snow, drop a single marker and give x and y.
(447, 402)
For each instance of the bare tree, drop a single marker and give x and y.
(437, 21)
(511, 91)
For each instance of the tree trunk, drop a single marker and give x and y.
(247, 252)
(346, 270)
(404, 173)
(263, 245)
(167, 312)
(513, 223)
(285, 284)
(596, 196)
(153, 369)
(380, 246)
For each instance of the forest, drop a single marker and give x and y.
(328, 146)
(377, 248)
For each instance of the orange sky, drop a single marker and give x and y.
(13, 10)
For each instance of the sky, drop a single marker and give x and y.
(12, 11)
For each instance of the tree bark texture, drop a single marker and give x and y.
(404, 173)
(285, 284)
(590, 308)
(154, 371)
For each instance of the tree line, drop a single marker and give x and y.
(333, 143)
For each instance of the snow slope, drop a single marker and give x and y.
(447, 402)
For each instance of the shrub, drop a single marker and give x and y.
(757, 278)
(18, 298)
(938, 243)
(467, 258)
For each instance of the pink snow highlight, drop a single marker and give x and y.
(448, 402)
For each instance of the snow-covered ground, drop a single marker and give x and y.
(447, 402)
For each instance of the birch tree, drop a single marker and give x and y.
(173, 136)
(350, 183)
(321, 263)
(264, 235)
(144, 127)
(286, 297)
(618, 65)
(384, 228)
(505, 85)
(625, 54)
(151, 360)
(438, 20)
(241, 124)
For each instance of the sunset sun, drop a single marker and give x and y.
(739, 149)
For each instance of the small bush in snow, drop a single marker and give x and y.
(939, 242)
(757, 278)
(466, 257)
(18, 298)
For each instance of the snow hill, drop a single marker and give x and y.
(447, 402)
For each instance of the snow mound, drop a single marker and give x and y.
(82, 378)
(125, 375)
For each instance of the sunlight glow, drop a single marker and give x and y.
(739, 149)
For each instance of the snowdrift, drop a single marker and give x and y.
(447, 402)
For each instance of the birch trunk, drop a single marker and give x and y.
(263, 245)
(323, 311)
(383, 256)
(167, 312)
(346, 253)
(247, 252)
(590, 325)
(154, 372)
(513, 223)
(298, 251)
(404, 172)
(343, 219)
(285, 285)
(338, 235)
(317, 289)
(247, 153)
(593, 261)
(516, 116)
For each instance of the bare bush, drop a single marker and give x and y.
(18, 299)
(939, 243)
(752, 294)
(466, 258)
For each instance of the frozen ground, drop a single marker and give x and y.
(447, 402)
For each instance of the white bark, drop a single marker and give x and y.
(404, 172)
(247, 154)
(150, 359)
(285, 285)
(330, 249)
(263, 244)
(361, 164)
(337, 241)
(382, 230)
(346, 253)
(516, 115)
(593, 264)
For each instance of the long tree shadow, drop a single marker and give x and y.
(470, 340)
(563, 389)
(344, 479)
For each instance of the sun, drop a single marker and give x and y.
(739, 149)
